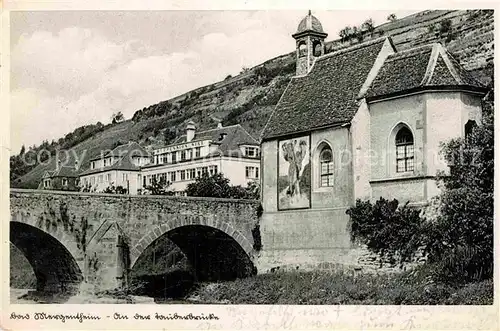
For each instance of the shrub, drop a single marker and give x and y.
(217, 186)
(392, 17)
(113, 189)
(390, 230)
(158, 187)
(460, 240)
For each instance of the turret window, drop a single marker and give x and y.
(302, 49)
(317, 49)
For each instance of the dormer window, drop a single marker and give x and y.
(251, 151)
(222, 136)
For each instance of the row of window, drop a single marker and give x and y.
(183, 155)
(193, 153)
(107, 178)
(405, 147)
(180, 175)
(404, 157)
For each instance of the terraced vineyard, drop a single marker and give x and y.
(250, 97)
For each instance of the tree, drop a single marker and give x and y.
(253, 189)
(117, 117)
(357, 33)
(158, 187)
(445, 26)
(392, 17)
(368, 26)
(345, 34)
(460, 240)
(169, 135)
(23, 150)
(216, 186)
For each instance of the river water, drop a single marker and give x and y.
(25, 296)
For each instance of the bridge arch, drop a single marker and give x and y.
(206, 242)
(55, 266)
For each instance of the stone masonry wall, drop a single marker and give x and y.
(138, 219)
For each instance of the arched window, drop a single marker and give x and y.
(326, 167)
(469, 127)
(317, 49)
(302, 49)
(404, 150)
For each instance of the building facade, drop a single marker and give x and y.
(229, 150)
(362, 122)
(118, 168)
(63, 178)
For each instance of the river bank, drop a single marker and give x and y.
(312, 288)
(345, 288)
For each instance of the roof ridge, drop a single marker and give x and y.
(455, 63)
(376, 67)
(431, 65)
(224, 127)
(395, 54)
(352, 48)
(248, 134)
(262, 133)
(450, 65)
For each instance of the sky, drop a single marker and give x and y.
(72, 68)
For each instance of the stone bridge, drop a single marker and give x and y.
(71, 238)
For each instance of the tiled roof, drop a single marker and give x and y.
(327, 94)
(428, 66)
(133, 146)
(235, 137)
(126, 152)
(65, 171)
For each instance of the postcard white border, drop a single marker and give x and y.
(232, 317)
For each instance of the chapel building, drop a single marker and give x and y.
(361, 122)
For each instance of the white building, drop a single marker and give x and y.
(118, 167)
(229, 150)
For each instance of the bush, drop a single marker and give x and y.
(112, 189)
(217, 186)
(340, 287)
(392, 231)
(460, 240)
(158, 187)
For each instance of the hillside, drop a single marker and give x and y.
(250, 97)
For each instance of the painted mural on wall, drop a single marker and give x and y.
(294, 173)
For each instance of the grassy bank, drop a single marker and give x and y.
(329, 288)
